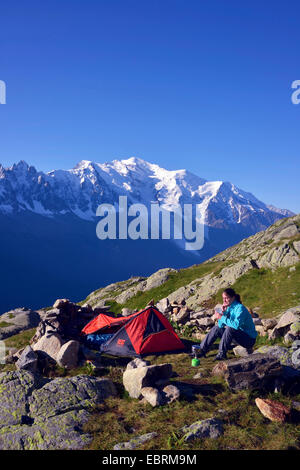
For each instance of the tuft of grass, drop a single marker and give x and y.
(20, 340)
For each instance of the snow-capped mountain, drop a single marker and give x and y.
(48, 243)
(80, 191)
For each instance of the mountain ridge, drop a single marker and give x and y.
(81, 189)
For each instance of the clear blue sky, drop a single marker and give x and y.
(202, 85)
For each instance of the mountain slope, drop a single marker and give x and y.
(264, 269)
(48, 242)
(81, 189)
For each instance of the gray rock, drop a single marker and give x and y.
(288, 338)
(296, 344)
(135, 363)
(28, 360)
(205, 322)
(295, 328)
(15, 390)
(135, 379)
(206, 428)
(170, 393)
(242, 352)
(296, 405)
(269, 323)
(61, 395)
(252, 372)
(135, 442)
(63, 432)
(279, 352)
(287, 232)
(152, 395)
(18, 320)
(67, 356)
(163, 305)
(296, 359)
(126, 312)
(183, 314)
(49, 345)
(287, 318)
(40, 414)
(158, 278)
(296, 245)
(199, 314)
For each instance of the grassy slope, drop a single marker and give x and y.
(271, 291)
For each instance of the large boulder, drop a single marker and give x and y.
(18, 320)
(49, 345)
(67, 356)
(15, 390)
(37, 413)
(252, 372)
(278, 352)
(149, 376)
(61, 395)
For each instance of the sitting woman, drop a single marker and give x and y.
(235, 323)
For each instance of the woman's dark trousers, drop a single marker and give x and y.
(227, 334)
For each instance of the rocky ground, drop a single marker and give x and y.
(56, 394)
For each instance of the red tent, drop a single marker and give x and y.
(144, 332)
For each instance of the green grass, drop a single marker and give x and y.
(20, 340)
(123, 418)
(272, 291)
(3, 324)
(174, 282)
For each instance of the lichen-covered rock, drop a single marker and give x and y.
(37, 413)
(252, 372)
(279, 352)
(155, 280)
(135, 442)
(64, 394)
(57, 433)
(295, 328)
(206, 428)
(15, 390)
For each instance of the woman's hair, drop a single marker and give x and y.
(231, 293)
